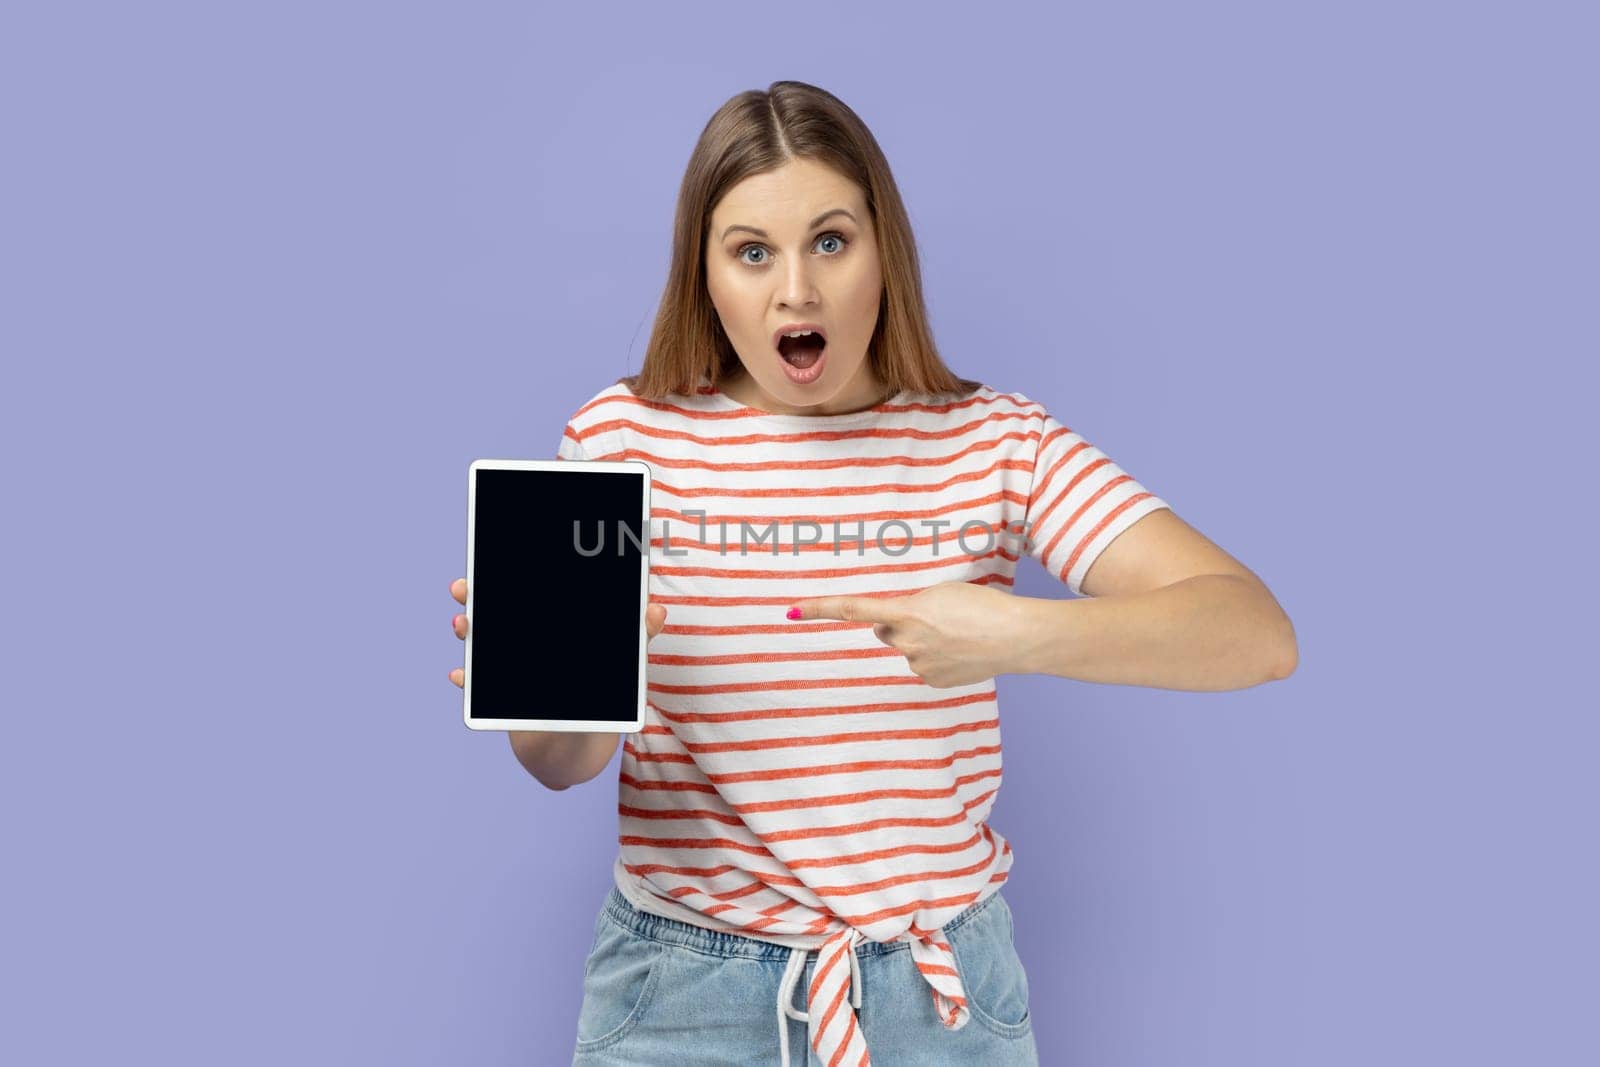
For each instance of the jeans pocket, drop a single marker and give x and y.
(619, 979)
(600, 924)
(991, 972)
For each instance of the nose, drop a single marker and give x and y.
(796, 287)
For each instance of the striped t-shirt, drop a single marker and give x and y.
(795, 782)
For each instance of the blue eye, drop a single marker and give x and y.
(835, 236)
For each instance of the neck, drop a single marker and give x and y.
(741, 387)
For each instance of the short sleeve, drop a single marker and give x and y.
(571, 447)
(1078, 502)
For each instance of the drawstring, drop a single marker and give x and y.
(791, 974)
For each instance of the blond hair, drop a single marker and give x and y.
(755, 132)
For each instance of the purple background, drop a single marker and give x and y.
(1322, 279)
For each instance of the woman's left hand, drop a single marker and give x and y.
(953, 633)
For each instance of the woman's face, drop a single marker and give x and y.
(811, 263)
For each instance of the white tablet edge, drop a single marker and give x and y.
(567, 466)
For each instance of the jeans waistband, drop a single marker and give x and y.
(620, 910)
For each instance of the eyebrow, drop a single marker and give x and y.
(818, 221)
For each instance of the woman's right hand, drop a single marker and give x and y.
(655, 617)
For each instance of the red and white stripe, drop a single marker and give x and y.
(797, 782)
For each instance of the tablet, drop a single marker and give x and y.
(558, 572)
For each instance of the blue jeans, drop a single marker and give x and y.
(661, 993)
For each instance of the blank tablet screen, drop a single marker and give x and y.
(556, 611)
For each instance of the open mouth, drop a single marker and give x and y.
(802, 351)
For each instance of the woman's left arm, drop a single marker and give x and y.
(1209, 633)
(1165, 608)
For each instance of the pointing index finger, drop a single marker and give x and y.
(852, 608)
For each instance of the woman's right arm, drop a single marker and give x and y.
(563, 758)
(558, 758)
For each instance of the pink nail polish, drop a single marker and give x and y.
(794, 613)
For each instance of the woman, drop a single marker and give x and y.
(803, 818)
